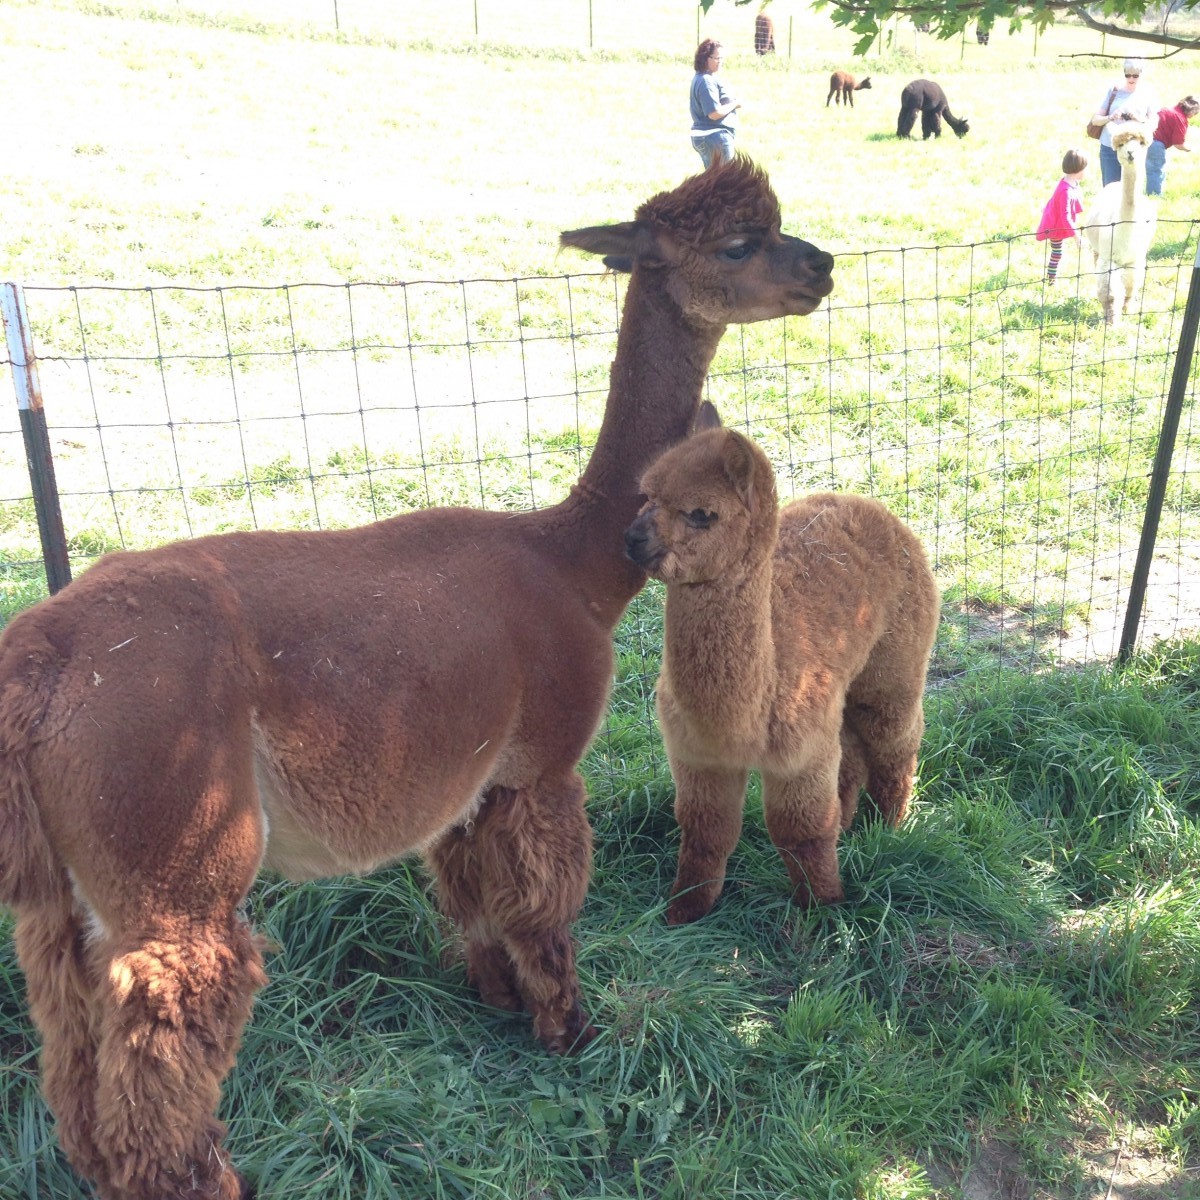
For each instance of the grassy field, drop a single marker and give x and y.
(1006, 1008)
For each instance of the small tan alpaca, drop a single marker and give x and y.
(324, 703)
(796, 644)
(843, 85)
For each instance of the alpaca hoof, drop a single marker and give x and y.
(691, 905)
(571, 1037)
(804, 897)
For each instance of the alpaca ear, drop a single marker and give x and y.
(707, 418)
(620, 245)
(739, 468)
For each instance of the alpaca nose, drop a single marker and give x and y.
(811, 265)
(635, 542)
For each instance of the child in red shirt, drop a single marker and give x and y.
(1060, 217)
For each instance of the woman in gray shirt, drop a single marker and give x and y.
(714, 110)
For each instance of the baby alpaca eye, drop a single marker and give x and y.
(700, 518)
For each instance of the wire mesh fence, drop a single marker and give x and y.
(994, 412)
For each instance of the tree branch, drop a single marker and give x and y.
(868, 16)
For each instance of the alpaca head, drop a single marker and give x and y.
(714, 245)
(866, 83)
(711, 508)
(1130, 141)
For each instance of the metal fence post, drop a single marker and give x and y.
(37, 440)
(1161, 471)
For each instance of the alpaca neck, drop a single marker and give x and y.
(1130, 178)
(719, 650)
(654, 391)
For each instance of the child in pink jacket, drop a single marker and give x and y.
(1060, 217)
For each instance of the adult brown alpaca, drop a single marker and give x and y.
(322, 703)
(764, 34)
(842, 86)
(796, 644)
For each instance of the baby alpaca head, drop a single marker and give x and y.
(711, 509)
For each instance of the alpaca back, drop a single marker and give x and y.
(851, 583)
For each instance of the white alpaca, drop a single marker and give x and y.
(1119, 224)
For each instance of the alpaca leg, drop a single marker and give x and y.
(456, 866)
(1104, 294)
(804, 819)
(174, 1002)
(530, 861)
(1134, 277)
(889, 731)
(1115, 305)
(708, 810)
(852, 773)
(62, 996)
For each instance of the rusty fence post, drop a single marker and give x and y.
(37, 440)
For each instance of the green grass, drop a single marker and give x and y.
(1012, 981)
(1006, 424)
(1009, 996)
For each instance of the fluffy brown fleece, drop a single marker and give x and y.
(796, 644)
(323, 703)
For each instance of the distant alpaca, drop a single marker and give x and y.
(927, 98)
(764, 34)
(1119, 224)
(322, 703)
(842, 87)
(796, 644)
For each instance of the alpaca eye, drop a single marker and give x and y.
(700, 518)
(737, 251)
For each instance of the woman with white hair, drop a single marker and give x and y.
(1129, 100)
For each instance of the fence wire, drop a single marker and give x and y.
(994, 412)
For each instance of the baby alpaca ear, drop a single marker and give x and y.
(707, 418)
(739, 469)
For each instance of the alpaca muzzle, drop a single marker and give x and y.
(812, 268)
(642, 544)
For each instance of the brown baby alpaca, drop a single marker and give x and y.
(321, 703)
(796, 644)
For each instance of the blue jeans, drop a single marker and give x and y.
(1110, 166)
(1156, 168)
(706, 146)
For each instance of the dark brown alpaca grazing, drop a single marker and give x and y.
(322, 703)
(927, 98)
(796, 644)
(842, 87)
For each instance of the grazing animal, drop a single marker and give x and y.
(1119, 223)
(325, 702)
(927, 98)
(842, 87)
(764, 34)
(796, 643)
